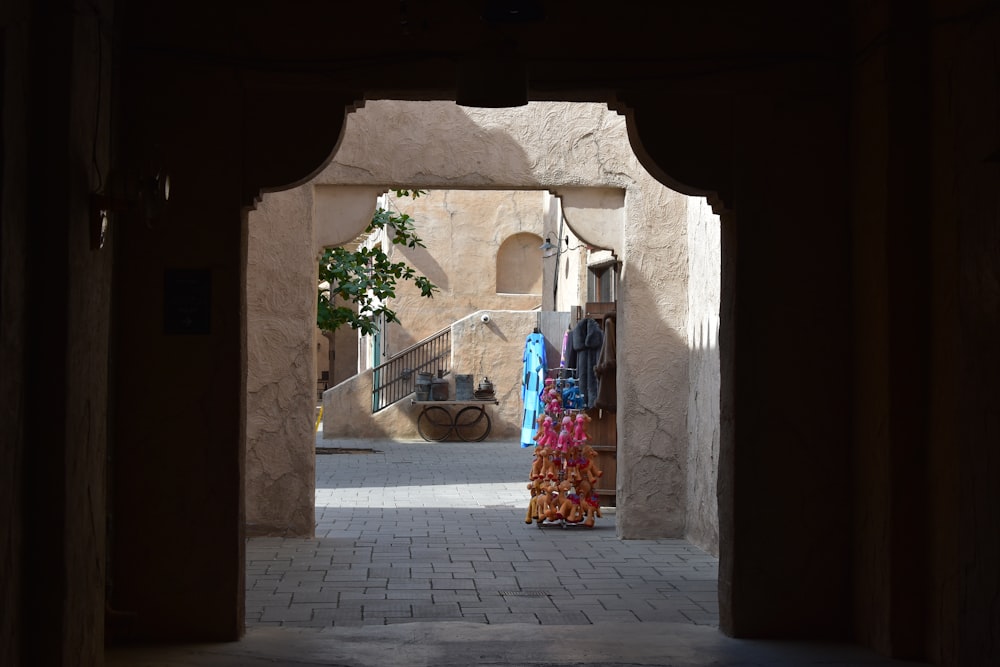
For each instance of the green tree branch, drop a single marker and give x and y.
(355, 285)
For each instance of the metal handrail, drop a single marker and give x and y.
(393, 380)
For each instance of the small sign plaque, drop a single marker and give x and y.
(187, 301)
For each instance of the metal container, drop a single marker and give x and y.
(422, 386)
(439, 389)
(463, 388)
(485, 390)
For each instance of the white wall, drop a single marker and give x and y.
(704, 262)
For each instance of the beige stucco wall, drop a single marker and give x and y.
(439, 146)
(492, 349)
(652, 364)
(463, 231)
(281, 365)
(704, 285)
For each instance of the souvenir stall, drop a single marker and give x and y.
(569, 418)
(564, 473)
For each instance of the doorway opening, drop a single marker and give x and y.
(666, 293)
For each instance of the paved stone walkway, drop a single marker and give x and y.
(422, 559)
(417, 531)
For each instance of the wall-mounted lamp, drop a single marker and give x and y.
(548, 246)
(148, 198)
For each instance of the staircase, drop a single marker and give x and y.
(394, 380)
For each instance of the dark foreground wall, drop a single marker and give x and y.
(56, 304)
(857, 180)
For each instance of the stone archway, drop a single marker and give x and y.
(441, 145)
(859, 179)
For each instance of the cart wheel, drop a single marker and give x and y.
(472, 424)
(434, 423)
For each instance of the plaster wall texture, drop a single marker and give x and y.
(439, 146)
(495, 349)
(347, 413)
(474, 240)
(347, 349)
(704, 285)
(281, 366)
(653, 365)
(481, 250)
(565, 273)
(463, 231)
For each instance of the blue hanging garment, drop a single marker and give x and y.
(532, 382)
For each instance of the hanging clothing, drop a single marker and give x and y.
(606, 368)
(586, 340)
(565, 349)
(532, 383)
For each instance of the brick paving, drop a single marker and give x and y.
(416, 531)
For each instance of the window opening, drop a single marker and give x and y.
(602, 283)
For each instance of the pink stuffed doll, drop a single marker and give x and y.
(549, 437)
(565, 439)
(552, 399)
(580, 429)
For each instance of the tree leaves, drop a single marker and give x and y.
(354, 285)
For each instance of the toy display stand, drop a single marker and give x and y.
(563, 476)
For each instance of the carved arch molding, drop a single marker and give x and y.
(291, 139)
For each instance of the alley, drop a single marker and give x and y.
(416, 531)
(422, 558)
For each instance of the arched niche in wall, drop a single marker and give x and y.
(519, 264)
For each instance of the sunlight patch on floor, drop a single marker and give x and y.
(459, 496)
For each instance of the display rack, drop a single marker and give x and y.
(563, 477)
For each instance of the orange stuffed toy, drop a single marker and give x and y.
(535, 487)
(538, 464)
(589, 469)
(567, 494)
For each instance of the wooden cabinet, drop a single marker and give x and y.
(603, 431)
(603, 436)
